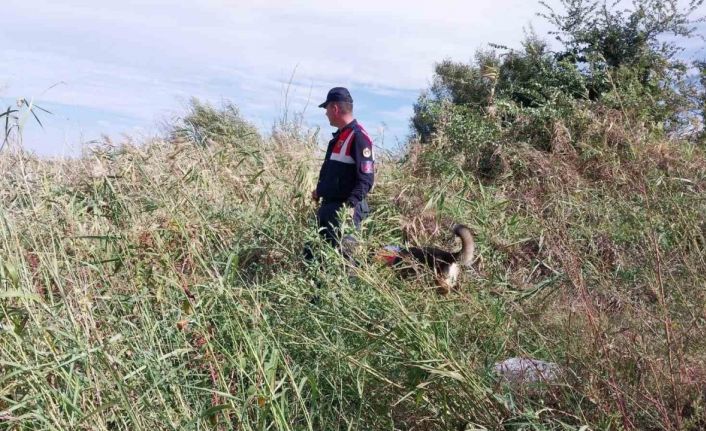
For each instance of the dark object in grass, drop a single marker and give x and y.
(445, 264)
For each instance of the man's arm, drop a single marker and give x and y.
(365, 167)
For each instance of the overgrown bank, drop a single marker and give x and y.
(162, 287)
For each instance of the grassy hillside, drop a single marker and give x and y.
(162, 287)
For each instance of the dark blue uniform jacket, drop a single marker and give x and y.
(347, 174)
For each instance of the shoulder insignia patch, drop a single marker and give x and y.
(366, 167)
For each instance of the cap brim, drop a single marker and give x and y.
(323, 105)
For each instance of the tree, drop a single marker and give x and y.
(590, 28)
(626, 59)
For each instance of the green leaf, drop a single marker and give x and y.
(19, 294)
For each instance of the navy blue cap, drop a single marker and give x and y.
(337, 94)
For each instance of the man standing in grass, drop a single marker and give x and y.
(347, 173)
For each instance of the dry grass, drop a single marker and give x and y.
(161, 286)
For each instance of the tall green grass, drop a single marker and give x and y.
(162, 287)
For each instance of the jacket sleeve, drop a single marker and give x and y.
(365, 168)
(321, 174)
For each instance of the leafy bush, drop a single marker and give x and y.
(615, 59)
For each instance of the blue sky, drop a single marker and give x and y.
(125, 67)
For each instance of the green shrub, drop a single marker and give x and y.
(614, 59)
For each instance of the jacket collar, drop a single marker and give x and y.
(347, 126)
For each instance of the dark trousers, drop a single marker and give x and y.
(329, 222)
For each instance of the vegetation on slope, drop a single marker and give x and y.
(162, 286)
